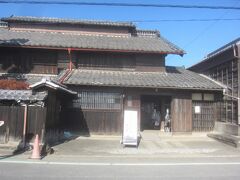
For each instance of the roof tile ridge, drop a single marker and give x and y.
(122, 71)
(69, 20)
(72, 33)
(213, 80)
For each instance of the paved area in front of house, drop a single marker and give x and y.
(106, 149)
(100, 146)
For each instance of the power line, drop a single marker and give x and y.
(209, 26)
(82, 3)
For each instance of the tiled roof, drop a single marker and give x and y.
(3, 24)
(177, 78)
(24, 95)
(29, 78)
(215, 53)
(96, 42)
(52, 84)
(224, 48)
(65, 21)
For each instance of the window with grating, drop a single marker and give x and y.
(98, 100)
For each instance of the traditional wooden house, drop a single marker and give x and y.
(113, 67)
(223, 65)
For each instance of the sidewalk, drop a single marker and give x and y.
(109, 149)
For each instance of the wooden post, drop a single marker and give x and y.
(238, 113)
(25, 124)
(7, 134)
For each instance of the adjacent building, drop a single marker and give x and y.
(223, 65)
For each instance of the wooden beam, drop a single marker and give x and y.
(238, 109)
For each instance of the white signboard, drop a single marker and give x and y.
(130, 129)
(197, 109)
(1, 123)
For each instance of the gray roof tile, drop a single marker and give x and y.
(178, 78)
(29, 78)
(24, 95)
(61, 40)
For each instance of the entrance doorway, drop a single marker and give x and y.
(152, 105)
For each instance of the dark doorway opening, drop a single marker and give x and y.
(150, 104)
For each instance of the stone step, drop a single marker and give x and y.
(226, 138)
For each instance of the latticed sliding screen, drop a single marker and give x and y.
(98, 100)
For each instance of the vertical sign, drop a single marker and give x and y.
(130, 130)
(1, 123)
(197, 109)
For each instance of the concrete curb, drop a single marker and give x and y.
(227, 139)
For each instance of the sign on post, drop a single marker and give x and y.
(130, 129)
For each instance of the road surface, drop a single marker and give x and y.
(192, 169)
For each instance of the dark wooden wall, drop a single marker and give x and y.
(105, 60)
(13, 117)
(36, 120)
(88, 122)
(53, 110)
(22, 60)
(13, 123)
(113, 61)
(97, 119)
(43, 61)
(181, 113)
(150, 62)
(94, 111)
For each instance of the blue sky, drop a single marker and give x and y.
(196, 38)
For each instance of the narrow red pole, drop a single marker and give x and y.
(25, 124)
(70, 58)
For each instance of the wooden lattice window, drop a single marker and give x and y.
(98, 100)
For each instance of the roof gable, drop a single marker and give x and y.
(88, 42)
(109, 38)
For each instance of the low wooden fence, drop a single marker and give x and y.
(205, 119)
(13, 117)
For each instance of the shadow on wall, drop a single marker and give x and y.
(73, 120)
(173, 70)
(12, 62)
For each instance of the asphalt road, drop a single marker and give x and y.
(174, 170)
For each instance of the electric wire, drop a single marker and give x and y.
(118, 4)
